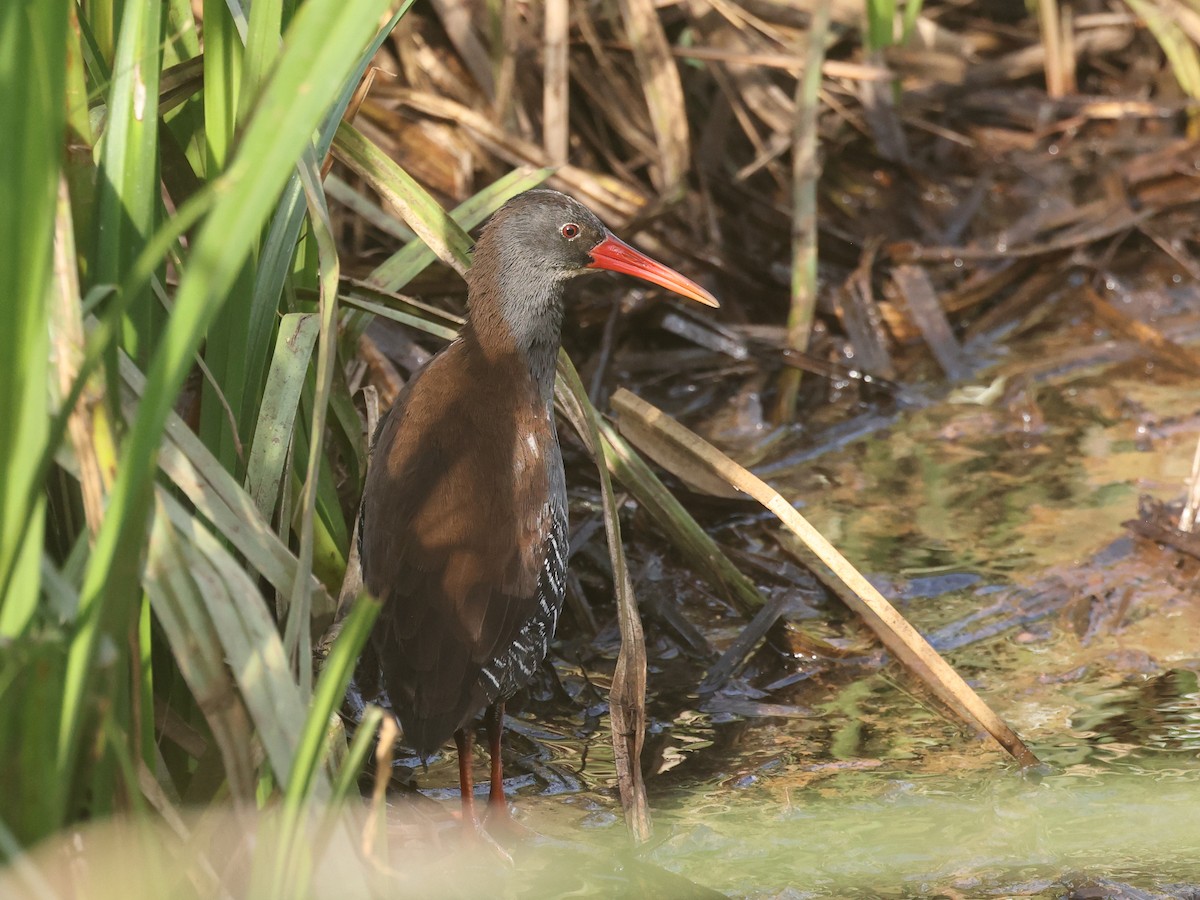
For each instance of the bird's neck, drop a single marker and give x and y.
(527, 322)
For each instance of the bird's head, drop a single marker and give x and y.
(544, 237)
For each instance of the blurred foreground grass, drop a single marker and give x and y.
(934, 835)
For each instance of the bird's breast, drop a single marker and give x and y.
(462, 481)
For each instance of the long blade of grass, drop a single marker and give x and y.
(128, 200)
(78, 160)
(222, 80)
(225, 396)
(33, 45)
(179, 606)
(298, 636)
(335, 677)
(277, 416)
(128, 195)
(262, 46)
(331, 688)
(892, 628)
(346, 782)
(627, 697)
(445, 332)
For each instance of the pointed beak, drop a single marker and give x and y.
(614, 254)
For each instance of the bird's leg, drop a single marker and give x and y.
(500, 821)
(464, 738)
(495, 732)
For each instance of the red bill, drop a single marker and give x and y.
(614, 254)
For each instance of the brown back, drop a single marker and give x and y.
(455, 527)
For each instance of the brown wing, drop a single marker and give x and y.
(456, 522)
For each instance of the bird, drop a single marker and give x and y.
(463, 529)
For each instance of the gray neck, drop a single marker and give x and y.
(529, 318)
(543, 362)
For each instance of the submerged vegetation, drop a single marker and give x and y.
(231, 230)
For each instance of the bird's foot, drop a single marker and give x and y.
(475, 836)
(503, 827)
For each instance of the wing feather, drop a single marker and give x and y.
(458, 526)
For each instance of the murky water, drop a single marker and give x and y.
(1004, 544)
(996, 528)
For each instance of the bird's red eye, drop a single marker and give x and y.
(570, 231)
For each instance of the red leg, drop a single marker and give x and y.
(501, 824)
(495, 731)
(464, 738)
